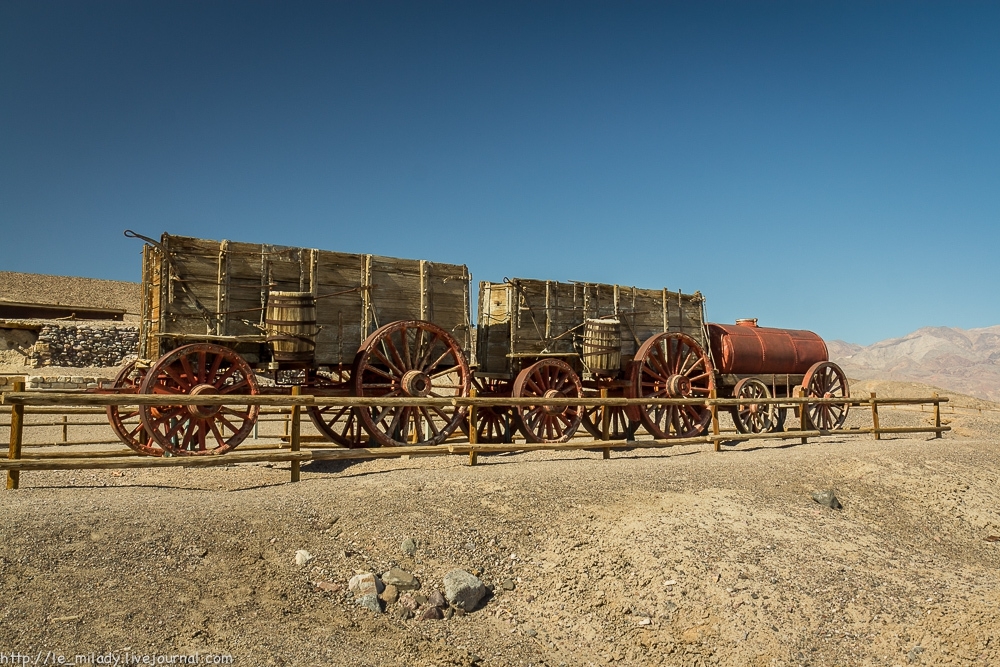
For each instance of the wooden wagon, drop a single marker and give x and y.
(552, 339)
(246, 318)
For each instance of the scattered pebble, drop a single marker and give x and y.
(303, 557)
(401, 579)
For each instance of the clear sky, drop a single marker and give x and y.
(825, 165)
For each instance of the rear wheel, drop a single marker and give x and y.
(751, 417)
(826, 379)
(673, 365)
(620, 426)
(414, 359)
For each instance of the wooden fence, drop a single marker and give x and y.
(82, 403)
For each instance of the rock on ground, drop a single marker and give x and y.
(463, 590)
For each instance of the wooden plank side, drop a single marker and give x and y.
(446, 300)
(641, 315)
(528, 335)
(565, 316)
(395, 293)
(339, 305)
(494, 327)
(550, 315)
(208, 287)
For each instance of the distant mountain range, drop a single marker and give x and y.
(962, 360)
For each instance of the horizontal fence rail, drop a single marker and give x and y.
(289, 407)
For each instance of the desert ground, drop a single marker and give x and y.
(677, 556)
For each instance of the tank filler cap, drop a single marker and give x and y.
(747, 322)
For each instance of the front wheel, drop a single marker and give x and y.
(548, 378)
(201, 369)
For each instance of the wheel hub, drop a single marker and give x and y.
(678, 386)
(553, 409)
(416, 383)
(204, 411)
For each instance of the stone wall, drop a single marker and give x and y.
(84, 345)
(57, 382)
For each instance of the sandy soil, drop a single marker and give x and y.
(677, 557)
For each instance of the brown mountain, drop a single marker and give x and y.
(963, 360)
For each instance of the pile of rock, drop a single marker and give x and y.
(84, 345)
(402, 594)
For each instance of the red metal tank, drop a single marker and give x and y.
(747, 349)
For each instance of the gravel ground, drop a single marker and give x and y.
(677, 556)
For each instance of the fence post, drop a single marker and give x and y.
(937, 416)
(16, 431)
(799, 393)
(473, 428)
(875, 417)
(716, 441)
(605, 424)
(65, 429)
(294, 436)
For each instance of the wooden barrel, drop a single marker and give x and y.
(602, 346)
(291, 326)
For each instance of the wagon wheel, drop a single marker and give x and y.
(753, 417)
(621, 426)
(825, 379)
(672, 365)
(126, 424)
(494, 423)
(416, 359)
(548, 378)
(200, 369)
(340, 424)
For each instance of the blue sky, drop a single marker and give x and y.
(823, 165)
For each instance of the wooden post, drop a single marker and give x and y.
(65, 429)
(937, 416)
(16, 431)
(294, 436)
(473, 428)
(716, 442)
(605, 424)
(802, 413)
(875, 417)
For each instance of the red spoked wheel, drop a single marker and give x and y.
(825, 379)
(673, 365)
(340, 424)
(411, 359)
(753, 417)
(126, 424)
(548, 378)
(494, 424)
(621, 427)
(201, 369)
